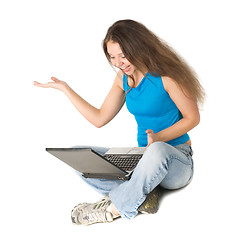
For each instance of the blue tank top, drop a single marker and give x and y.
(152, 108)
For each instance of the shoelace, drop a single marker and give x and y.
(95, 214)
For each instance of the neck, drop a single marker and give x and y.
(137, 76)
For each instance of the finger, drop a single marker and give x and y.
(35, 83)
(55, 79)
(149, 131)
(45, 85)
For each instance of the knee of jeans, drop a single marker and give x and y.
(155, 155)
(158, 149)
(158, 146)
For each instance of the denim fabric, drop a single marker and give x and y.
(161, 164)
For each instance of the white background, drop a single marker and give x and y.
(40, 39)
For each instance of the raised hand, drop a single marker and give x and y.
(57, 84)
(151, 136)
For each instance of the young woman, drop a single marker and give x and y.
(163, 93)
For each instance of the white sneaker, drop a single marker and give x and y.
(89, 213)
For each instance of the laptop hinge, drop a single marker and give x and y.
(103, 176)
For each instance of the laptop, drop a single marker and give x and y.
(116, 163)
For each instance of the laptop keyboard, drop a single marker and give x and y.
(125, 162)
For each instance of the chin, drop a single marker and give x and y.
(130, 73)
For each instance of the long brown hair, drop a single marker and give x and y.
(148, 52)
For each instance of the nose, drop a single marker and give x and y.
(118, 62)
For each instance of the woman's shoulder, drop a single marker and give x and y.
(168, 82)
(120, 74)
(173, 87)
(119, 79)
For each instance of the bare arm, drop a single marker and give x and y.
(186, 105)
(98, 117)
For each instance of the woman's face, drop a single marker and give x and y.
(118, 59)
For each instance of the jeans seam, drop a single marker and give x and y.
(156, 175)
(178, 159)
(139, 202)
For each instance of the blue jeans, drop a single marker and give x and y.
(162, 164)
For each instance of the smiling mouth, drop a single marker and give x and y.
(126, 69)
